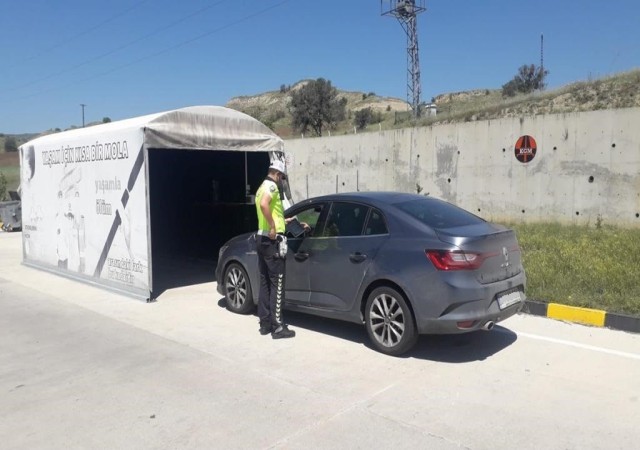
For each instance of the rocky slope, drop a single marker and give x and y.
(617, 91)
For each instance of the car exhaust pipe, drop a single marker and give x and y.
(488, 326)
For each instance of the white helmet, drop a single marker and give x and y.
(277, 165)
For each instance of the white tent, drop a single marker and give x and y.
(87, 199)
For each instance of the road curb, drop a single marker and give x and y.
(585, 316)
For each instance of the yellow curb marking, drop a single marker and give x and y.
(574, 314)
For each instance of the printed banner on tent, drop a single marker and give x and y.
(84, 207)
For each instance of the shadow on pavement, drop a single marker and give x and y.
(449, 348)
(172, 273)
(461, 348)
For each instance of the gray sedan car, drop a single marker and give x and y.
(401, 264)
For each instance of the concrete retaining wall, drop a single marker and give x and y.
(586, 168)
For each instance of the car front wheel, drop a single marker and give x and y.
(389, 322)
(237, 290)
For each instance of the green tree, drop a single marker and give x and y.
(10, 144)
(316, 105)
(528, 79)
(106, 119)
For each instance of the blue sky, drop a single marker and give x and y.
(127, 58)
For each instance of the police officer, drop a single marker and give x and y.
(271, 225)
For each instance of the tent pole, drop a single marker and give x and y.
(246, 177)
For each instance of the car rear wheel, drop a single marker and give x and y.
(389, 321)
(237, 290)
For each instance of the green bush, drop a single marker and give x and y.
(366, 116)
(362, 118)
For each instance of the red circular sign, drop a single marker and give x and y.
(525, 148)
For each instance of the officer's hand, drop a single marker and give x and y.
(272, 234)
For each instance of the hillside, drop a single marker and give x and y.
(617, 91)
(272, 108)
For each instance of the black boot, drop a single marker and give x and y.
(282, 332)
(265, 328)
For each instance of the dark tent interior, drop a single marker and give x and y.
(198, 200)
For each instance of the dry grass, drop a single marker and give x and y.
(617, 91)
(614, 92)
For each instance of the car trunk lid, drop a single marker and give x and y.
(496, 245)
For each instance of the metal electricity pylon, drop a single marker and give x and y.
(406, 12)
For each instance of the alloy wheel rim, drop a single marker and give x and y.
(386, 320)
(236, 287)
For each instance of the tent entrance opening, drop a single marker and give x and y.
(198, 200)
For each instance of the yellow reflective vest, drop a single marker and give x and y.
(277, 209)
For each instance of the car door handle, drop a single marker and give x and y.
(357, 257)
(301, 256)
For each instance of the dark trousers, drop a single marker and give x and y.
(271, 295)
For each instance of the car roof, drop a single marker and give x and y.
(373, 198)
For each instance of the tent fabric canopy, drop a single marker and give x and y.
(210, 127)
(195, 127)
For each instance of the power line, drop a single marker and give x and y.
(78, 35)
(117, 49)
(161, 52)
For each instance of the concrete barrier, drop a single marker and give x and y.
(581, 168)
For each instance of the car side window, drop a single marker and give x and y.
(310, 216)
(345, 219)
(375, 224)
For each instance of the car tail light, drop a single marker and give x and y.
(455, 259)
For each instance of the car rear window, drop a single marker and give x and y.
(438, 214)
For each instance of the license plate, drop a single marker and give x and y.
(508, 299)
